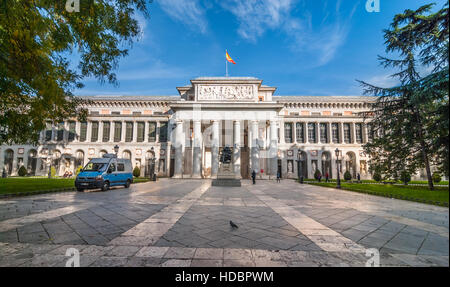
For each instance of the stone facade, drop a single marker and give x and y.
(181, 136)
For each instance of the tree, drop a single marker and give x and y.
(37, 40)
(22, 171)
(136, 171)
(347, 175)
(410, 121)
(405, 177)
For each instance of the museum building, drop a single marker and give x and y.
(182, 136)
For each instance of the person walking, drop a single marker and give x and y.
(254, 176)
(359, 178)
(278, 176)
(326, 177)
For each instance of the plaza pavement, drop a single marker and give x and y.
(186, 223)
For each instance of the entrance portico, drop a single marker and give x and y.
(218, 112)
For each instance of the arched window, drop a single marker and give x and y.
(32, 162)
(126, 154)
(79, 159)
(8, 161)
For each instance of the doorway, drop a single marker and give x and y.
(279, 168)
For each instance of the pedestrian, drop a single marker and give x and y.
(278, 176)
(320, 177)
(326, 177)
(254, 176)
(359, 178)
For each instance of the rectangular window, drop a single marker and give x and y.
(359, 133)
(117, 131)
(120, 167)
(347, 133)
(300, 133)
(370, 133)
(48, 132)
(94, 132)
(288, 132)
(163, 131)
(129, 132)
(323, 133)
(140, 131)
(72, 131)
(335, 132)
(312, 132)
(106, 131)
(83, 131)
(60, 132)
(152, 132)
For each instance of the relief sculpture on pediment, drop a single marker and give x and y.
(229, 92)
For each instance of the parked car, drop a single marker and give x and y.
(105, 172)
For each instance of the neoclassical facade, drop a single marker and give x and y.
(182, 136)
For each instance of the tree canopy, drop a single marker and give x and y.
(409, 122)
(38, 39)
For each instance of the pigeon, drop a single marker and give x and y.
(233, 225)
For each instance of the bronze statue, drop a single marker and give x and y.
(225, 156)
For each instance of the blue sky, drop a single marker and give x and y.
(303, 47)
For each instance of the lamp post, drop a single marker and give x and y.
(337, 169)
(116, 150)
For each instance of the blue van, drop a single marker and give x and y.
(105, 172)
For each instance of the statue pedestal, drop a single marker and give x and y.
(226, 176)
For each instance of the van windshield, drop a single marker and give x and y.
(95, 166)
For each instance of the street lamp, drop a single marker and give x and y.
(337, 168)
(116, 149)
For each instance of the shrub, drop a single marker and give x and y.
(317, 174)
(347, 175)
(136, 172)
(377, 177)
(436, 177)
(22, 171)
(53, 171)
(405, 177)
(78, 170)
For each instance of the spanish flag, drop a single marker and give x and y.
(229, 58)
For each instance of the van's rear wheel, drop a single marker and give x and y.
(127, 184)
(105, 186)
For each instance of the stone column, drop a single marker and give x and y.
(273, 148)
(168, 157)
(215, 149)
(353, 132)
(317, 125)
(329, 134)
(146, 127)
(124, 129)
(282, 139)
(100, 131)
(89, 131)
(306, 124)
(341, 133)
(158, 126)
(255, 148)
(237, 149)
(179, 139)
(364, 133)
(77, 131)
(197, 151)
(134, 138)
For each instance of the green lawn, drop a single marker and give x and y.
(31, 184)
(444, 182)
(414, 193)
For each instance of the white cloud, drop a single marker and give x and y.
(383, 81)
(156, 70)
(256, 16)
(188, 12)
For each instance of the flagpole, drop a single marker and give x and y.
(226, 64)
